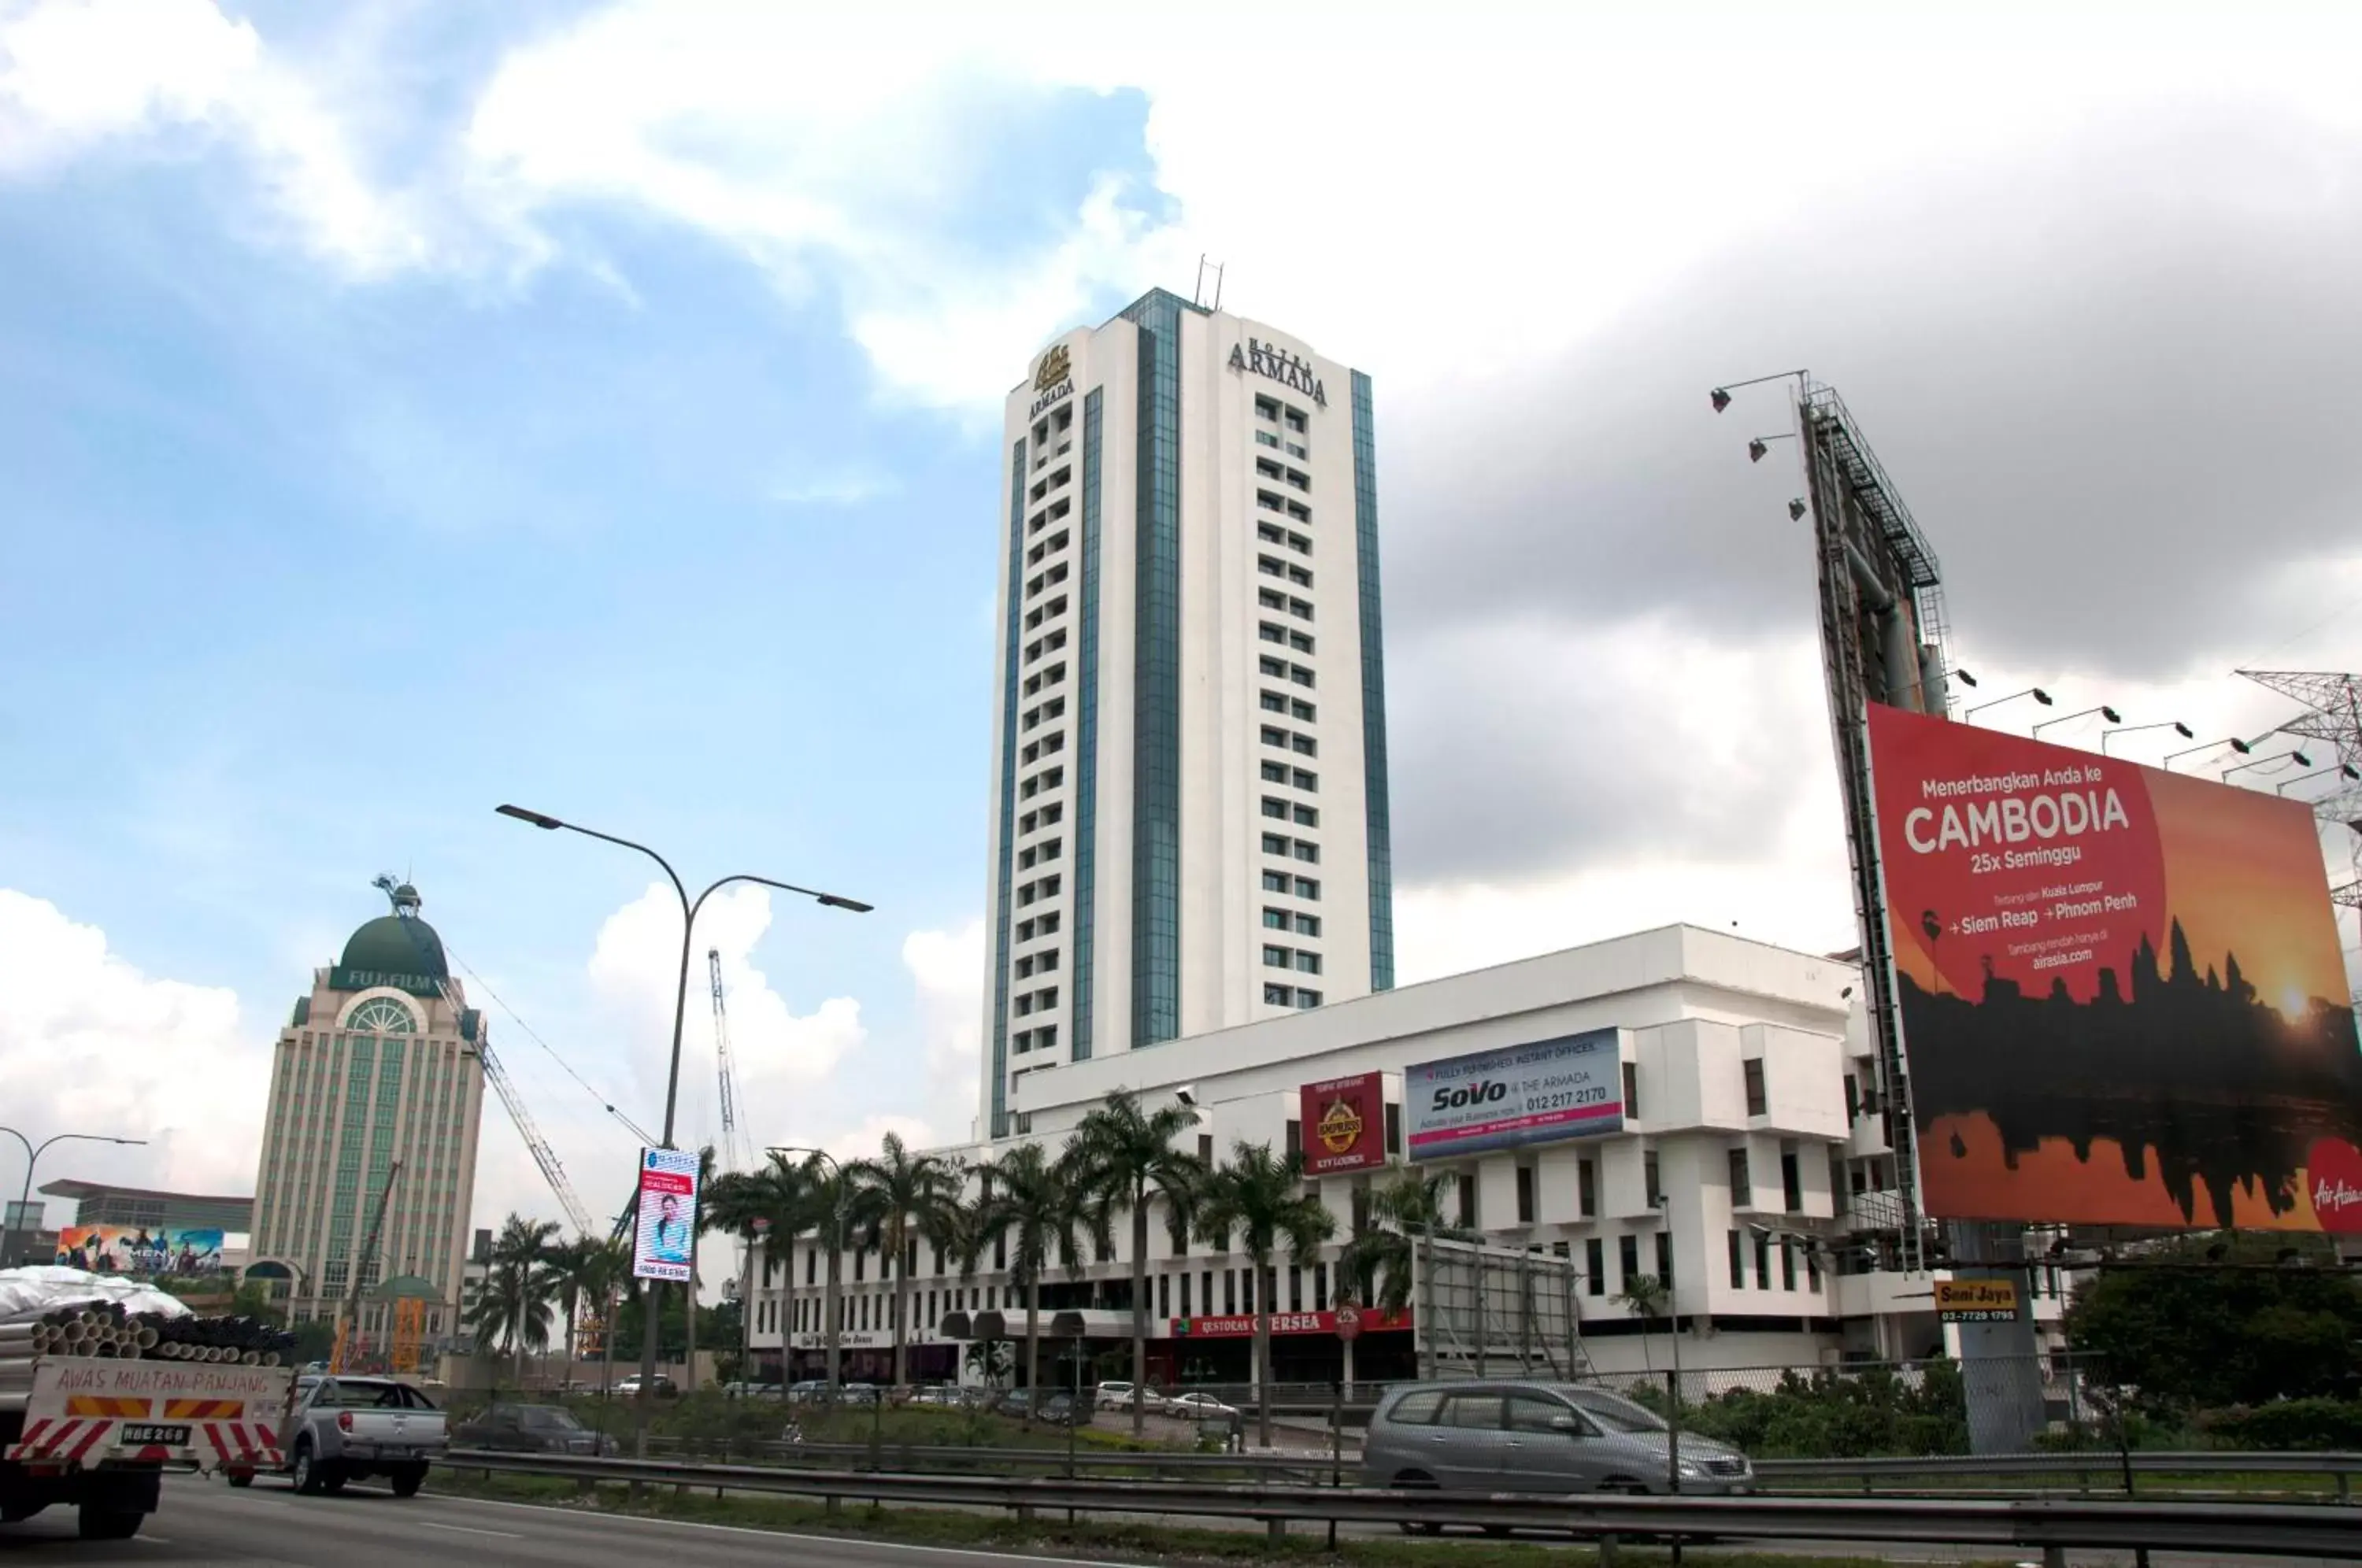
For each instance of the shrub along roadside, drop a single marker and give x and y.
(1104, 1540)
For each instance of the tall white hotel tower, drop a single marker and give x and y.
(1189, 742)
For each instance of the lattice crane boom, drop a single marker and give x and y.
(522, 1119)
(736, 1147)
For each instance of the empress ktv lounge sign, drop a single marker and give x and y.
(1289, 368)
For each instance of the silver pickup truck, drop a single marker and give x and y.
(350, 1428)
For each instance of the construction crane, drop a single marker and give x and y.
(737, 1150)
(543, 1154)
(349, 1320)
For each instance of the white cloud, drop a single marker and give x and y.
(90, 1043)
(170, 74)
(634, 968)
(947, 967)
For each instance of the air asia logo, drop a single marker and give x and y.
(1054, 378)
(1339, 1127)
(2334, 1173)
(1289, 368)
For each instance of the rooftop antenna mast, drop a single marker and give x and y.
(1198, 297)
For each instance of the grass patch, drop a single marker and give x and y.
(1053, 1536)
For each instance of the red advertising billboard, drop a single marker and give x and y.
(1343, 1123)
(2122, 997)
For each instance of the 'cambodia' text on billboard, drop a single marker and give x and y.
(1343, 1124)
(1572, 1086)
(2121, 991)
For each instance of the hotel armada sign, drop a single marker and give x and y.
(1289, 369)
(1053, 377)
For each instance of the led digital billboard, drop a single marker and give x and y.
(667, 1214)
(1570, 1086)
(2120, 989)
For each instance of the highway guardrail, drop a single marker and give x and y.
(2044, 1524)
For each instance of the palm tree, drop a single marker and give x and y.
(1125, 1161)
(1259, 1196)
(1646, 1296)
(702, 1223)
(577, 1269)
(893, 1200)
(767, 1208)
(1378, 1267)
(1031, 1203)
(514, 1307)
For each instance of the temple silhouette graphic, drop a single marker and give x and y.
(2189, 1069)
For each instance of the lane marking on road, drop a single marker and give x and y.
(855, 1542)
(468, 1529)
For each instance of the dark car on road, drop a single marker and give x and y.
(526, 1429)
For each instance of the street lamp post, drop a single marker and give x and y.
(831, 1302)
(689, 908)
(32, 1155)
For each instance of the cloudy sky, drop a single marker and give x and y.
(413, 407)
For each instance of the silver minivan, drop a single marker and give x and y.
(1550, 1438)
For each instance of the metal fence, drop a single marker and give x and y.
(1862, 1410)
(2049, 1524)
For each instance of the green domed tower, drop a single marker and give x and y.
(377, 1090)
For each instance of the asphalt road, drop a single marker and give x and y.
(205, 1522)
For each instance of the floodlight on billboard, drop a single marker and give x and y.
(1343, 1122)
(1570, 1086)
(667, 1214)
(2121, 992)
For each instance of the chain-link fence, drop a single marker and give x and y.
(1868, 1409)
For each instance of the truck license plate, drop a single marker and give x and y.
(144, 1434)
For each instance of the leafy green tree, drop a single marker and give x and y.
(1257, 1199)
(1032, 1204)
(1125, 1164)
(892, 1201)
(2208, 1321)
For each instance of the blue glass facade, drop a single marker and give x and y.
(1087, 741)
(998, 1119)
(1373, 692)
(1156, 676)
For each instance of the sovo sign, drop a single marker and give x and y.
(1471, 1094)
(1570, 1086)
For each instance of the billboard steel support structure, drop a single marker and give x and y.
(1879, 589)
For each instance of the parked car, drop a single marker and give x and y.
(1060, 1410)
(1550, 1438)
(526, 1429)
(859, 1393)
(350, 1429)
(662, 1387)
(1201, 1407)
(812, 1391)
(750, 1391)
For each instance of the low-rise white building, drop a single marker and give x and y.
(1752, 1171)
